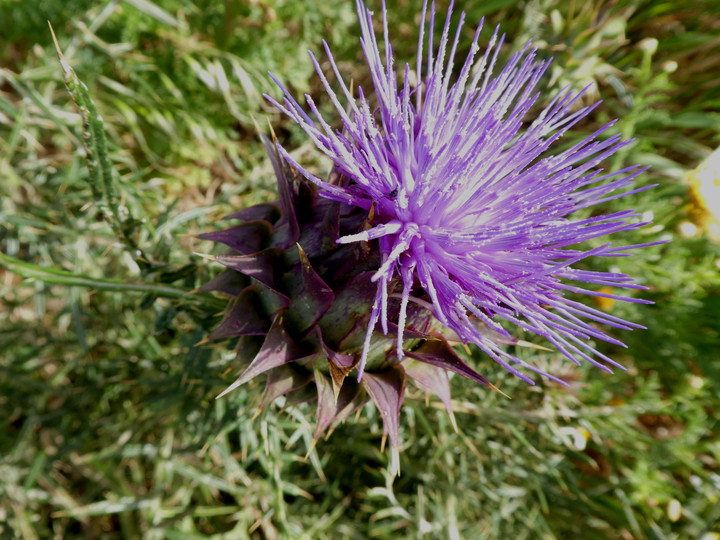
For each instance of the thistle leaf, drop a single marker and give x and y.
(319, 236)
(304, 394)
(246, 239)
(352, 304)
(228, 282)
(261, 266)
(339, 364)
(243, 318)
(387, 388)
(327, 404)
(408, 332)
(287, 202)
(260, 212)
(277, 349)
(311, 296)
(431, 379)
(250, 313)
(439, 353)
(333, 409)
(282, 381)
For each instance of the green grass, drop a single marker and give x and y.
(110, 427)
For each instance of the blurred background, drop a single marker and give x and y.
(110, 427)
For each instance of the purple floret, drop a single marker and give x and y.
(466, 198)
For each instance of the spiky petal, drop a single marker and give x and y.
(467, 200)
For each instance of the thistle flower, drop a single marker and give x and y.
(446, 216)
(467, 202)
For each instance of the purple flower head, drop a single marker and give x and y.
(465, 200)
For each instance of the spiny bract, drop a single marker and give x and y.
(302, 302)
(444, 216)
